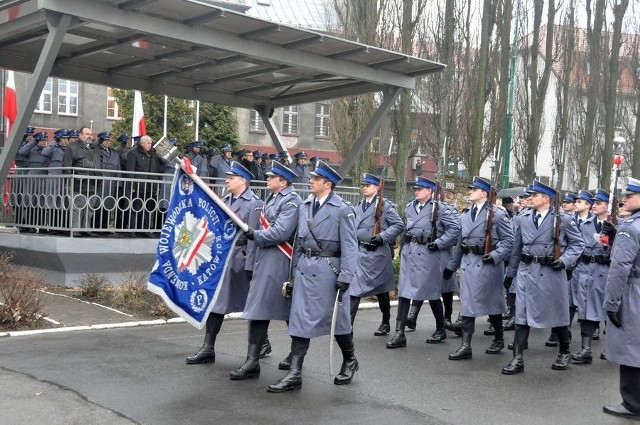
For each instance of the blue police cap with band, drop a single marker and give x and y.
(323, 170)
(212, 152)
(104, 136)
(424, 182)
(123, 138)
(40, 136)
(197, 144)
(137, 138)
(525, 193)
(265, 156)
(585, 195)
(281, 170)
(601, 195)
(29, 130)
(73, 133)
(539, 187)
(273, 156)
(283, 154)
(238, 170)
(633, 186)
(370, 179)
(301, 154)
(226, 149)
(60, 133)
(256, 154)
(569, 197)
(480, 183)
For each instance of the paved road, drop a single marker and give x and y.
(138, 375)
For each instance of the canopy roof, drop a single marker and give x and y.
(196, 50)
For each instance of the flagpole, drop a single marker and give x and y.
(197, 120)
(165, 115)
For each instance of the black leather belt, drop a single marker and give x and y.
(599, 258)
(321, 253)
(241, 242)
(417, 239)
(542, 260)
(473, 249)
(367, 245)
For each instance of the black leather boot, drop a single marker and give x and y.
(286, 363)
(496, 346)
(584, 356)
(251, 366)
(562, 361)
(457, 327)
(438, 336)
(552, 341)
(398, 340)
(490, 331)
(265, 349)
(511, 324)
(524, 347)
(464, 351)
(348, 369)
(293, 379)
(383, 329)
(206, 353)
(413, 316)
(517, 364)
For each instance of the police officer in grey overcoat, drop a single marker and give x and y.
(273, 240)
(481, 275)
(109, 160)
(197, 158)
(542, 289)
(56, 188)
(622, 304)
(325, 266)
(423, 258)
(374, 272)
(222, 163)
(35, 188)
(234, 287)
(590, 274)
(301, 167)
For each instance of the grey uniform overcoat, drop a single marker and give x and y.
(481, 290)
(200, 162)
(542, 294)
(374, 272)
(235, 285)
(421, 269)
(55, 186)
(622, 294)
(221, 166)
(314, 289)
(589, 279)
(34, 187)
(109, 160)
(271, 267)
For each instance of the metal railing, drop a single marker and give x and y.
(85, 202)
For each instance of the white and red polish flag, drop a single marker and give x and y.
(139, 128)
(9, 114)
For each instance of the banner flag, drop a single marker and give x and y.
(193, 251)
(9, 114)
(139, 128)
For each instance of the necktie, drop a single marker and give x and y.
(365, 205)
(598, 226)
(233, 198)
(536, 220)
(316, 207)
(474, 212)
(420, 207)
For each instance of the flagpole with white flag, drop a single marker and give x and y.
(138, 128)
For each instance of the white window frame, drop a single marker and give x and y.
(66, 95)
(47, 91)
(256, 125)
(116, 110)
(290, 120)
(321, 128)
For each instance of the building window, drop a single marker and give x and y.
(44, 103)
(255, 122)
(67, 97)
(322, 120)
(112, 105)
(290, 120)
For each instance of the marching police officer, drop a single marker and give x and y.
(301, 167)
(481, 273)
(273, 240)
(325, 266)
(234, 288)
(622, 304)
(569, 202)
(424, 256)
(198, 160)
(374, 272)
(542, 290)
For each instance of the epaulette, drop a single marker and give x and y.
(409, 204)
(260, 208)
(500, 207)
(292, 204)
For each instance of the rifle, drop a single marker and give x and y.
(613, 215)
(377, 227)
(488, 225)
(434, 213)
(557, 248)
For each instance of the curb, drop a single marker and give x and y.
(231, 316)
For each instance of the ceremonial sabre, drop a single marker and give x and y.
(334, 319)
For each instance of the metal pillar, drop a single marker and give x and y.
(266, 114)
(366, 135)
(58, 26)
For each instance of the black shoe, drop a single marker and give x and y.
(448, 325)
(524, 347)
(596, 334)
(562, 361)
(516, 366)
(286, 363)
(383, 329)
(265, 349)
(398, 340)
(457, 327)
(292, 380)
(603, 355)
(348, 369)
(620, 411)
(490, 331)
(438, 336)
(206, 354)
(552, 341)
(496, 346)
(584, 356)
(251, 366)
(464, 352)
(511, 324)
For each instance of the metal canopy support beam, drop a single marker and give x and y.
(224, 41)
(265, 114)
(364, 138)
(58, 27)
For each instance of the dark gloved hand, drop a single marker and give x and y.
(249, 233)
(614, 318)
(507, 282)
(249, 274)
(446, 274)
(433, 246)
(557, 265)
(569, 274)
(609, 229)
(488, 259)
(342, 288)
(376, 240)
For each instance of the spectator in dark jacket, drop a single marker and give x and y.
(142, 159)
